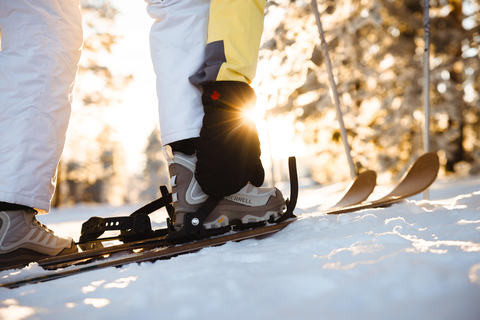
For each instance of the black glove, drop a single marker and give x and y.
(229, 149)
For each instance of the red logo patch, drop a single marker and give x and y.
(215, 95)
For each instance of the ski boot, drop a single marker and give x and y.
(248, 206)
(24, 239)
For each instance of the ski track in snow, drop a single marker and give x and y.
(417, 259)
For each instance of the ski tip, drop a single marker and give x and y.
(430, 157)
(358, 190)
(427, 163)
(421, 174)
(369, 177)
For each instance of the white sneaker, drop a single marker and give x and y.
(24, 239)
(249, 205)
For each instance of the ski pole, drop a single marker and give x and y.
(426, 84)
(343, 131)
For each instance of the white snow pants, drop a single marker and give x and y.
(177, 40)
(41, 42)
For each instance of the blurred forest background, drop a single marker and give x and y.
(376, 47)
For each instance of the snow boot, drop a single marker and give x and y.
(24, 239)
(249, 205)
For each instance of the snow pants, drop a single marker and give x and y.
(193, 42)
(41, 42)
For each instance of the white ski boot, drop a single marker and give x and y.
(249, 205)
(24, 239)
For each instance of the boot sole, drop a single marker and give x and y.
(224, 220)
(26, 256)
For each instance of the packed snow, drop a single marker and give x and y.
(418, 259)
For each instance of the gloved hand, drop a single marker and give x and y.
(229, 148)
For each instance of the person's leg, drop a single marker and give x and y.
(180, 53)
(177, 41)
(229, 147)
(185, 60)
(41, 43)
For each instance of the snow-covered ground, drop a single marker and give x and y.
(414, 260)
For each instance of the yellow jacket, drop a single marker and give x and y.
(234, 33)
